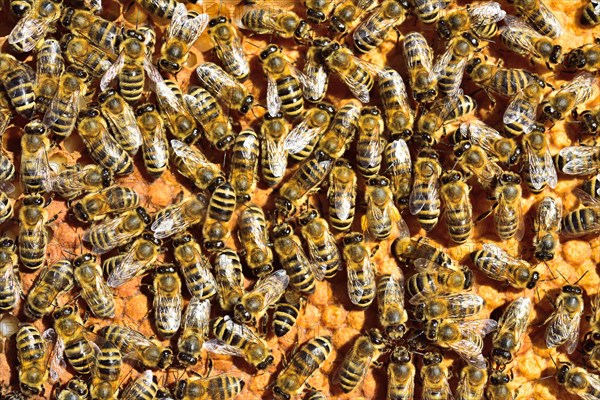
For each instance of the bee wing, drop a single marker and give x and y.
(418, 198)
(233, 54)
(188, 153)
(186, 29)
(218, 346)
(273, 99)
(328, 248)
(299, 137)
(358, 278)
(97, 293)
(156, 140)
(520, 35)
(582, 86)
(169, 223)
(38, 230)
(490, 171)
(516, 113)
(496, 263)
(112, 72)
(11, 283)
(505, 214)
(482, 134)
(592, 379)
(359, 90)
(463, 300)
(393, 292)
(571, 343)
(144, 380)
(541, 170)
(57, 360)
(441, 63)
(168, 309)
(272, 286)
(135, 340)
(377, 24)
(316, 79)
(197, 314)
(128, 268)
(563, 328)
(343, 198)
(93, 5)
(579, 159)
(550, 19)
(127, 125)
(276, 156)
(469, 349)
(425, 265)
(109, 225)
(26, 29)
(486, 13)
(586, 199)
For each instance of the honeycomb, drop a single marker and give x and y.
(328, 311)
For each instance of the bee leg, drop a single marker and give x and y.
(51, 220)
(399, 35)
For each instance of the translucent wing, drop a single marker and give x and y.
(515, 318)
(593, 381)
(57, 362)
(268, 20)
(197, 315)
(52, 56)
(486, 13)
(144, 380)
(542, 169)
(157, 141)
(93, 5)
(506, 213)
(96, 293)
(62, 106)
(168, 310)
(482, 134)
(550, 19)
(496, 262)
(135, 341)
(186, 29)
(300, 136)
(11, 283)
(563, 328)
(38, 230)
(169, 222)
(218, 346)
(359, 277)
(188, 153)
(377, 24)
(582, 87)
(393, 293)
(473, 332)
(327, 247)
(579, 160)
(343, 197)
(521, 35)
(276, 156)
(430, 392)
(316, 80)
(27, 31)
(232, 53)
(129, 267)
(108, 225)
(358, 89)
(112, 72)
(273, 99)
(521, 109)
(442, 62)
(419, 197)
(272, 286)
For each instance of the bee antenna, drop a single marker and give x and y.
(581, 277)
(560, 273)
(553, 362)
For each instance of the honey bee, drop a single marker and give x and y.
(505, 150)
(303, 183)
(315, 123)
(229, 278)
(500, 266)
(274, 147)
(315, 74)
(76, 389)
(479, 18)
(360, 269)
(106, 372)
(71, 340)
(32, 357)
(522, 39)
(537, 13)
(321, 243)
(50, 65)
(592, 338)
(192, 163)
(519, 116)
(569, 96)
(225, 387)
(590, 120)
(179, 120)
(228, 47)
(342, 195)
(406, 249)
(390, 306)
(292, 379)
(472, 383)
(287, 312)
(144, 387)
(365, 351)
(382, 215)
(254, 238)
(435, 377)
(346, 14)
(194, 265)
(61, 115)
(459, 213)
(546, 227)
(373, 30)
(168, 301)
(150, 352)
(434, 279)
(94, 290)
(340, 134)
(121, 119)
(424, 199)
(266, 292)
(497, 388)
(10, 280)
(155, 147)
(398, 170)
(81, 52)
(505, 82)
(563, 324)
(239, 341)
(419, 60)
(131, 66)
(445, 110)
(35, 145)
(581, 222)
(102, 147)
(590, 15)
(30, 30)
(591, 187)
(137, 259)
(194, 330)
(452, 63)
(370, 145)
(104, 34)
(464, 337)
(51, 282)
(33, 235)
(266, 20)
(353, 71)
(511, 327)
(578, 380)
(210, 116)
(283, 83)
(455, 306)
(401, 375)
(474, 161)
(318, 11)
(578, 160)
(120, 230)
(18, 80)
(399, 116)
(225, 88)
(221, 206)
(178, 217)
(181, 34)
(95, 206)
(508, 213)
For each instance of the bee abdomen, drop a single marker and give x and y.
(292, 101)
(284, 318)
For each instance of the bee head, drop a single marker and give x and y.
(443, 30)
(315, 16)
(307, 216)
(563, 371)
(472, 64)
(280, 394)
(83, 259)
(271, 49)
(217, 21)
(80, 213)
(166, 358)
(282, 230)
(7, 243)
(499, 378)
(141, 212)
(241, 314)
(246, 104)
(225, 143)
(67, 16)
(535, 276)
(432, 358)
(143, 109)
(351, 238)
(267, 361)
(327, 107)
(169, 66)
(186, 359)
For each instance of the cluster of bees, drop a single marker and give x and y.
(382, 159)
